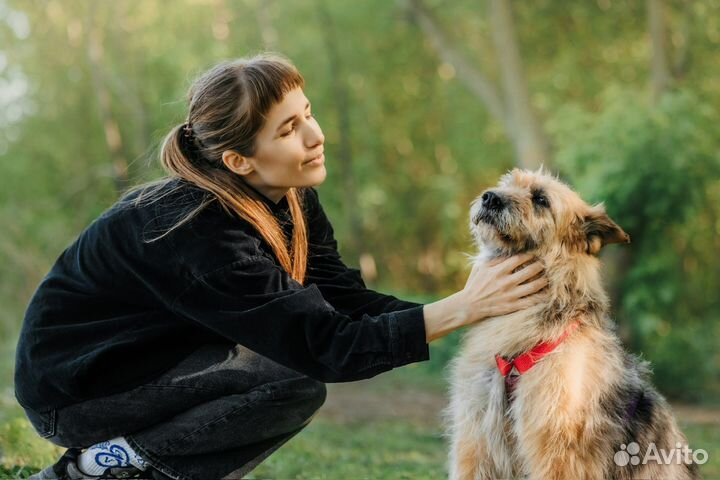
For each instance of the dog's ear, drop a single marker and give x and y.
(600, 230)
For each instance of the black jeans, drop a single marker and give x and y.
(217, 414)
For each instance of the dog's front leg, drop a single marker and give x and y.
(469, 457)
(478, 447)
(478, 455)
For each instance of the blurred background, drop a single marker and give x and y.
(424, 103)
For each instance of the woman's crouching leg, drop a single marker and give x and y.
(229, 436)
(221, 409)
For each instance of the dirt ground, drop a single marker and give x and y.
(357, 402)
(361, 401)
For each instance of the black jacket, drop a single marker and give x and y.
(116, 311)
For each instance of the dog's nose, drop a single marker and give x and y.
(491, 201)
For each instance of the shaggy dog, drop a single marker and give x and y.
(548, 392)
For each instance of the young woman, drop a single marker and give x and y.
(188, 331)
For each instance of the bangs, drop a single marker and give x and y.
(268, 79)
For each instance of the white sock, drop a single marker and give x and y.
(113, 453)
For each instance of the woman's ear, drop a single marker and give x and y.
(601, 230)
(237, 163)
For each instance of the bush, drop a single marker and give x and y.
(656, 167)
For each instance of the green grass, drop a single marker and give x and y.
(397, 450)
(22, 451)
(706, 437)
(16, 472)
(377, 451)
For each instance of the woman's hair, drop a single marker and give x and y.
(228, 106)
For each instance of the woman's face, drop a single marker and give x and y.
(288, 150)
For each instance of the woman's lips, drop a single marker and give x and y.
(319, 160)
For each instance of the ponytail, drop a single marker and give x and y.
(179, 157)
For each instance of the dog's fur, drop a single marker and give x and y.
(580, 404)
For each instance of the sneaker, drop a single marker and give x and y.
(66, 469)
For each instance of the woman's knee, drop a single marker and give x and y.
(306, 394)
(318, 394)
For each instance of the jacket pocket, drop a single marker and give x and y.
(44, 423)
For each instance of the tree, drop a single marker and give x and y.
(510, 102)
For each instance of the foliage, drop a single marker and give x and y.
(657, 168)
(20, 445)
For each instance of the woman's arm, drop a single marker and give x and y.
(492, 289)
(255, 303)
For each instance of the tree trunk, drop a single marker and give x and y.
(473, 78)
(511, 108)
(660, 77)
(681, 59)
(530, 142)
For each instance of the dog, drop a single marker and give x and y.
(549, 392)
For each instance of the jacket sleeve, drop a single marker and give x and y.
(341, 286)
(255, 303)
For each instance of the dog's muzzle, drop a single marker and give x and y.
(483, 216)
(492, 201)
(490, 205)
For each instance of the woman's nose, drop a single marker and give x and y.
(314, 136)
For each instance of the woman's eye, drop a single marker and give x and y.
(288, 132)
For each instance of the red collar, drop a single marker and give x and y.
(527, 360)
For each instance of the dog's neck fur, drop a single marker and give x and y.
(576, 292)
(576, 289)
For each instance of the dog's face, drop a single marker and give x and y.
(534, 212)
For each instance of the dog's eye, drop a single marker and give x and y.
(541, 200)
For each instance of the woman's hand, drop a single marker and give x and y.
(494, 288)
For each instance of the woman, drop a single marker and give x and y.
(188, 331)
